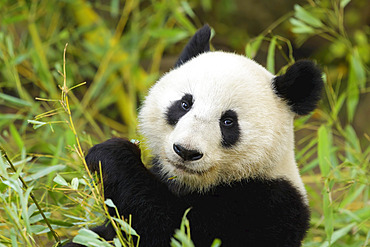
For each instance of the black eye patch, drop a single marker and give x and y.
(178, 109)
(230, 129)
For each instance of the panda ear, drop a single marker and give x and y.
(300, 86)
(198, 44)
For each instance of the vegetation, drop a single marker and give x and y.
(53, 108)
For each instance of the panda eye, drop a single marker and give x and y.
(185, 105)
(227, 122)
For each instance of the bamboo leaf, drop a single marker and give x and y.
(328, 212)
(271, 56)
(324, 147)
(44, 171)
(74, 183)
(252, 47)
(89, 238)
(350, 197)
(126, 227)
(343, 3)
(170, 35)
(300, 27)
(338, 234)
(117, 243)
(60, 180)
(109, 203)
(15, 101)
(114, 8)
(187, 9)
(307, 17)
(16, 136)
(216, 243)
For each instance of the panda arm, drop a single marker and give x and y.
(250, 213)
(155, 211)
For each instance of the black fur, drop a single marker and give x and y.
(300, 86)
(198, 44)
(230, 132)
(177, 109)
(252, 212)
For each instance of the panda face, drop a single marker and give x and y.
(216, 119)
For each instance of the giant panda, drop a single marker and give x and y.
(220, 129)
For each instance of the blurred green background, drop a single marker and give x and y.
(117, 49)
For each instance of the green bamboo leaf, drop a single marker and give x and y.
(358, 68)
(15, 101)
(13, 19)
(353, 88)
(338, 234)
(24, 206)
(351, 214)
(126, 227)
(38, 217)
(44, 171)
(252, 48)
(181, 18)
(352, 143)
(74, 183)
(89, 238)
(109, 203)
(343, 3)
(187, 8)
(16, 136)
(10, 116)
(175, 243)
(182, 237)
(324, 147)
(300, 27)
(38, 229)
(36, 124)
(170, 35)
(271, 56)
(114, 8)
(32, 209)
(307, 17)
(216, 243)
(356, 80)
(338, 105)
(328, 212)
(117, 243)
(60, 180)
(350, 197)
(13, 237)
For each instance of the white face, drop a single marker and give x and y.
(222, 107)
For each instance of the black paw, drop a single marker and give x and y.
(113, 155)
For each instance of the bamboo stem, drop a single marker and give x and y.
(55, 235)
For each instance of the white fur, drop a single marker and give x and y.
(219, 82)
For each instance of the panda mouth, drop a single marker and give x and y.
(186, 169)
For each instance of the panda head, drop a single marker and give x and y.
(219, 117)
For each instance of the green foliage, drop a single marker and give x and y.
(48, 118)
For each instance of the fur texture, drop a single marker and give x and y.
(221, 127)
(250, 212)
(301, 86)
(198, 44)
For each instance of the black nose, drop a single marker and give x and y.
(186, 154)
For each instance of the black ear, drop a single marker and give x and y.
(300, 86)
(198, 44)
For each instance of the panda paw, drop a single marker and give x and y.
(113, 155)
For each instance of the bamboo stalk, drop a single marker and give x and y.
(55, 235)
